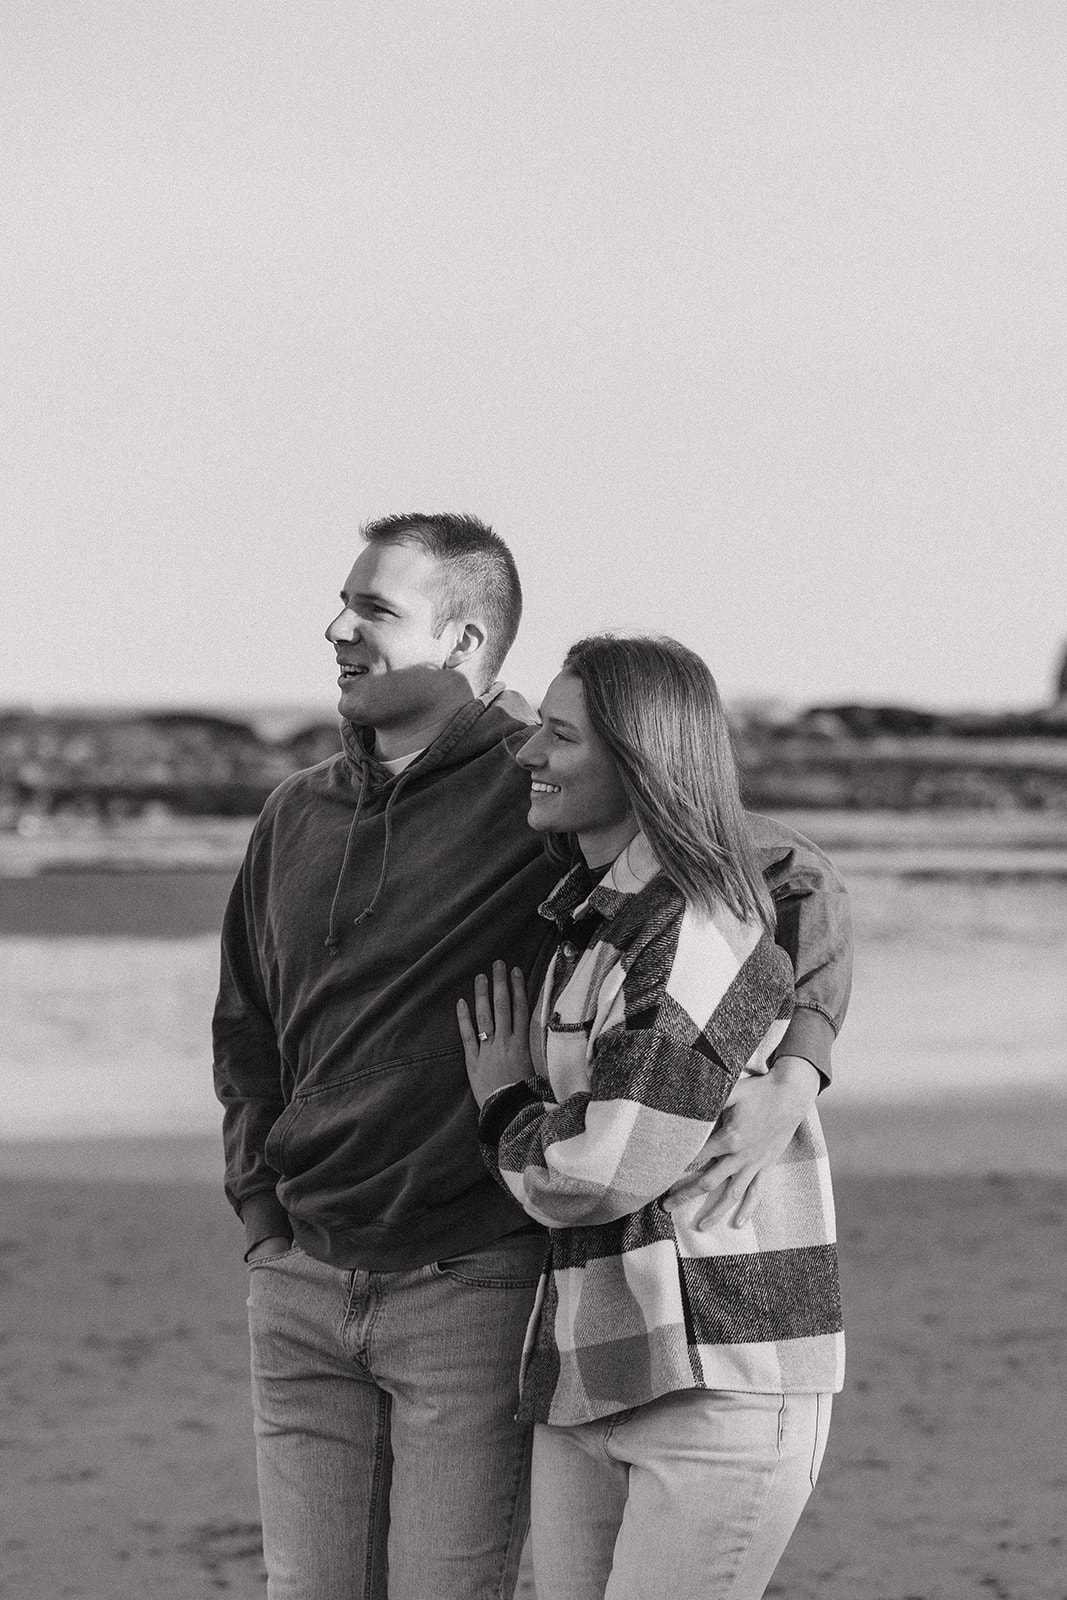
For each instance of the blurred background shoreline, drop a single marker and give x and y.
(87, 771)
(121, 832)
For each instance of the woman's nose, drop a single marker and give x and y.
(529, 753)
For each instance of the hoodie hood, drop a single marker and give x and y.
(475, 729)
(357, 740)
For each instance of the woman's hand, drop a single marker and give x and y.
(497, 1043)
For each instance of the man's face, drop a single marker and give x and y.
(390, 658)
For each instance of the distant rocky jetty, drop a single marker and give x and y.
(118, 766)
(894, 758)
(114, 767)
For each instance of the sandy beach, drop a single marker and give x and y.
(127, 1466)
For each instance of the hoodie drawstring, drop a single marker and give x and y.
(333, 939)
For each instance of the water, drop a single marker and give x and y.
(960, 989)
(107, 983)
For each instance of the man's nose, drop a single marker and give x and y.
(343, 628)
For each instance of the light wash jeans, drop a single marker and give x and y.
(389, 1459)
(692, 1497)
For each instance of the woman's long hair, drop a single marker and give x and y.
(657, 708)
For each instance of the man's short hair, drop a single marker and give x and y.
(478, 573)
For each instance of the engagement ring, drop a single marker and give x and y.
(482, 1037)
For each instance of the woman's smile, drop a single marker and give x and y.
(592, 804)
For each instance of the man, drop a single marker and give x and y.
(391, 1280)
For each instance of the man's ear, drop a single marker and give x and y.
(469, 640)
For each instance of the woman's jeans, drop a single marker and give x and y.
(389, 1459)
(692, 1497)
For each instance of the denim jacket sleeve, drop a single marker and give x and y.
(815, 929)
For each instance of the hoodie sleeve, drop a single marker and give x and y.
(815, 931)
(247, 1070)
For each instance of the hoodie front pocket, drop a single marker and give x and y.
(274, 1146)
(382, 1146)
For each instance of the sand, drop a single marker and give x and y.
(127, 1466)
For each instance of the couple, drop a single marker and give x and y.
(683, 1352)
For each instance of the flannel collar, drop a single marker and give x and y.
(577, 896)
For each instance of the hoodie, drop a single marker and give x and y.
(365, 905)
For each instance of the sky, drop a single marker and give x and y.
(739, 320)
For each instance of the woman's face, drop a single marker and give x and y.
(574, 783)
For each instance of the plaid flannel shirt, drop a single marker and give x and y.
(649, 1014)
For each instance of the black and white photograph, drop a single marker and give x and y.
(533, 800)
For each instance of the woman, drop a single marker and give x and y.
(679, 1379)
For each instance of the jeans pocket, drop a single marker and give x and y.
(273, 1259)
(513, 1263)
